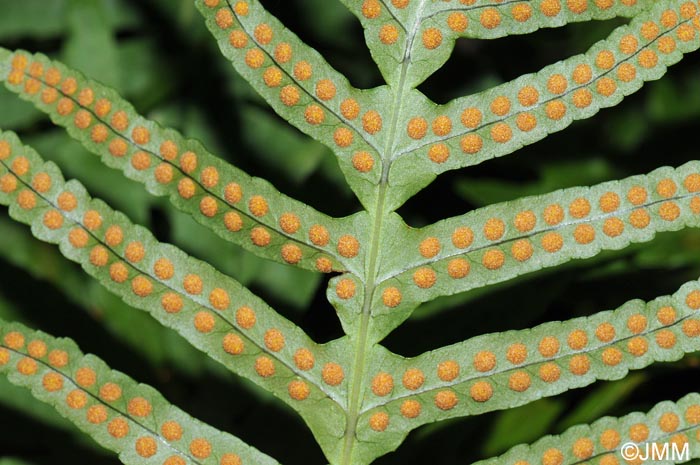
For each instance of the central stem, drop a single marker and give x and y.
(378, 214)
(362, 336)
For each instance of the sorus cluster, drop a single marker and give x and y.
(533, 359)
(482, 374)
(147, 272)
(84, 389)
(553, 230)
(279, 63)
(474, 19)
(514, 112)
(668, 423)
(194, 174)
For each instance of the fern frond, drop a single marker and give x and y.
(244, 210)
(505, 370)
(488, 20)
(131, 419)
(359, 399)
(499, 242)
(154, 342)
(212, 311)
(303, 88)
(499, 121)
(422, 32)
(670, 427)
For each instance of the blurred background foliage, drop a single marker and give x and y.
(159, 56)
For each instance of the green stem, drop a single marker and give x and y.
(362, 341)
(362, 335)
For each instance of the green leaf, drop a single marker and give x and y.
(502, 241)
(247, 211)
(359, 399)
(304, 89)
(499, 121)
(212, 311)
(410, 40)
(567, 173)
(284, 149)
(18, 399)
(526, 423)
(91, 47)
(291, 284)
(154, 342)
(505, 370)
(16, 113)
(41, 19)
(121, 415)
(612, 440)
(32, 17)
(601, 400)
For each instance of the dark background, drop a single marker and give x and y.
(159, 56)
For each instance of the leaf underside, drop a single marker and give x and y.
(667, 434)
(213, 312)
(359, 399)
(126, 417)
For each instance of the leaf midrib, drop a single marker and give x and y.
(164, 442)
(145, 272)
(429, 388)
(538, 106)
(535, 232)
(370, 283)
(178, 168)
(284, 71)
